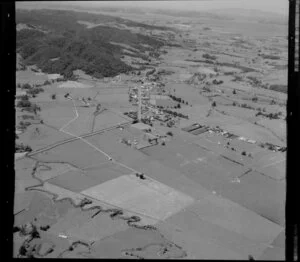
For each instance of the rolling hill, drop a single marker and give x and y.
(57, 43)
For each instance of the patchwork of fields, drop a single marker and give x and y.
(96, 186)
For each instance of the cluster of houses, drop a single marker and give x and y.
(145, 96)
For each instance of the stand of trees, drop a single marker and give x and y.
(20, 148)
(77, 47)
(178, 99)
(216, 82)
(270, 115)
(26, 105)
(23, 125)
(34, 91)
(175, 113)
(169, 133)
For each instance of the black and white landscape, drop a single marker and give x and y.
(150, 132)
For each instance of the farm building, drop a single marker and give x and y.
(199, 131)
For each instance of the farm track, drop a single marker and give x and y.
(95, 114)
(75, 138)
(90, 144)
(117, 210)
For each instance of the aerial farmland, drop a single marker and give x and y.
(145, 134)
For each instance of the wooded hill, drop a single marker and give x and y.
(57, 43)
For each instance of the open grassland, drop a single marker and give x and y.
(214, 166)
(77, 153)
(108, 119)
(39, 136)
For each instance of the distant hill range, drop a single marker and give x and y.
(251, 15)
(57, 43)
(229, 14)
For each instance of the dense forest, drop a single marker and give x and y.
(57, 43)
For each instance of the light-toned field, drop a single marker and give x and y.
(153, 200)
(73, 84)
